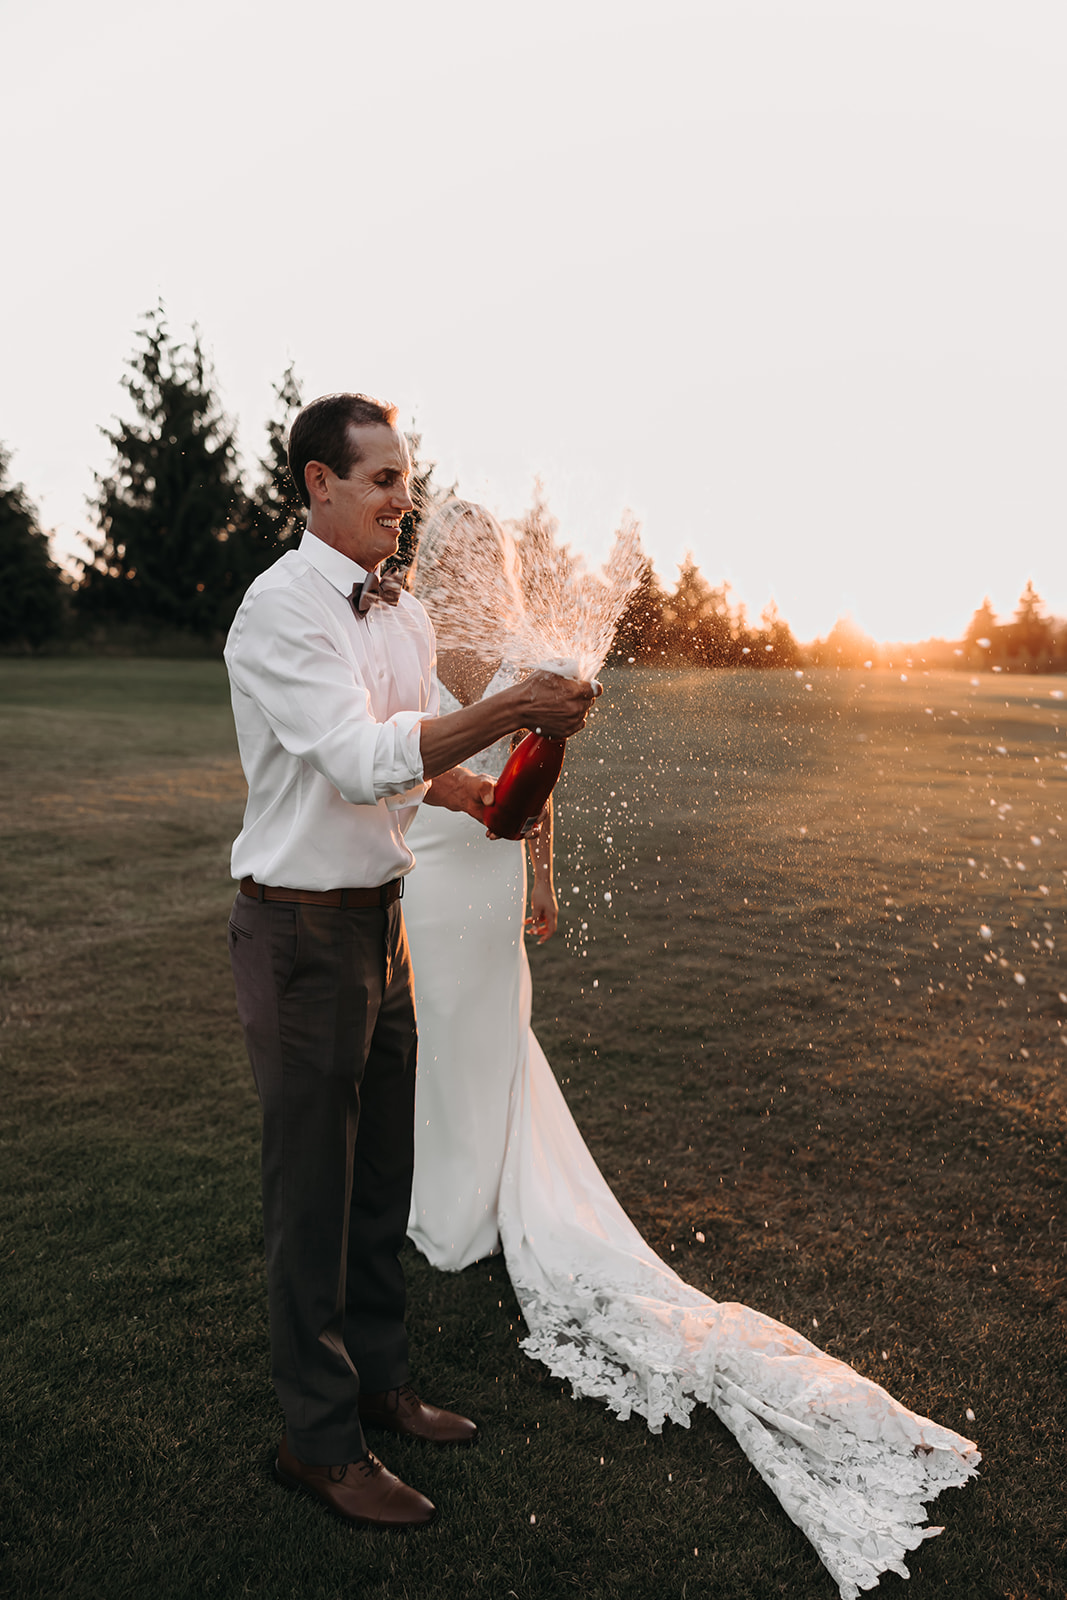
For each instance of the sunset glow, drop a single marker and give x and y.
(791, 293)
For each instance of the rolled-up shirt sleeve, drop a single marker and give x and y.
(395, 759)
(318, 709)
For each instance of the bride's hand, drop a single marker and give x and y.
(544, 911)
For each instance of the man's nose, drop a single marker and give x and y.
(402, 499)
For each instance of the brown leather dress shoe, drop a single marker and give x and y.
(401, 1411)
(359, 1491)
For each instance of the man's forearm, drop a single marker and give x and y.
(448, 741)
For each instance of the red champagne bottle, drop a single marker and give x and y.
(526, 782)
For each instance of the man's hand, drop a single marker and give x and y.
(557, 706)
(459, 789)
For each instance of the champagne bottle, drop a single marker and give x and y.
(526, 782)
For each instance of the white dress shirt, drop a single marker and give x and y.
(328, 706)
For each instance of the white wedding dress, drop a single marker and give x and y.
(499, 1162)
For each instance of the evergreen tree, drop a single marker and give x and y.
(724, 633)
(774, 645)
(31, 589)
(981, 636)
(172, 502)
(545, 565)
(641, 632)
(845, 645)
(699, 622)
(686, 612)
(426, 495)
(1031, 630)
(983, 624)
(273, 514)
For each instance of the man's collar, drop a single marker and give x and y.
(336, 568)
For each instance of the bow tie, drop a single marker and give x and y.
(365, 594)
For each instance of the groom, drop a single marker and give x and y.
(335, 704)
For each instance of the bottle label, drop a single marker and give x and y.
(528, 826)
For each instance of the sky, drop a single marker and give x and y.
(786, 280)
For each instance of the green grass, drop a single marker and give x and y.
(885, 1157)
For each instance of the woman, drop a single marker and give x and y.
(466, 937)
(499, 1163)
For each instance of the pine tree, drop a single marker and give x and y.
(699, 622)
(774, 645)
(982, 635)
(983, 624)
(426, 495)
(846, 645)
(172, 501)
(273, 514)
(31, 589)
(640, 635)
(1031, 630)
(545, 566)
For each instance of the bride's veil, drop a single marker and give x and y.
(467, 575)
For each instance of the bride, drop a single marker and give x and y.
(500, 1164)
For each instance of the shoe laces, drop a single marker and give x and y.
(369, 1465)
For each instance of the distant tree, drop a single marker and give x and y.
(272, 516)
(725, 632)
(774, 645)
(544, 563)
(172, 501)
(640, 634)
(426, 495)
(981, 637)
(983, 622)
(1030, 631)
(845, 645)
(699, 623)
(31, 588)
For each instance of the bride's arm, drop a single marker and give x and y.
(544, 908)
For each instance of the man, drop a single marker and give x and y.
(335, 704)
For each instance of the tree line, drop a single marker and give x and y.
(1030, 641)
(180, 535)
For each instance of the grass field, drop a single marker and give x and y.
(819, 1021)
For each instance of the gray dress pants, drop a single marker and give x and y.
(325, 999)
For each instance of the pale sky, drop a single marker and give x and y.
(787, 279)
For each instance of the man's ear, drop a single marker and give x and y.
(317, 480)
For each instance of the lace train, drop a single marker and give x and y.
(851, 1466)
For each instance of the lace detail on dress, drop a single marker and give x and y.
(851, 1466)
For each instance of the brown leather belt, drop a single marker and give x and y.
(340, 899)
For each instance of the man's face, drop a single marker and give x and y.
(363, 512)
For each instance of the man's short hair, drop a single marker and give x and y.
(322, 432)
